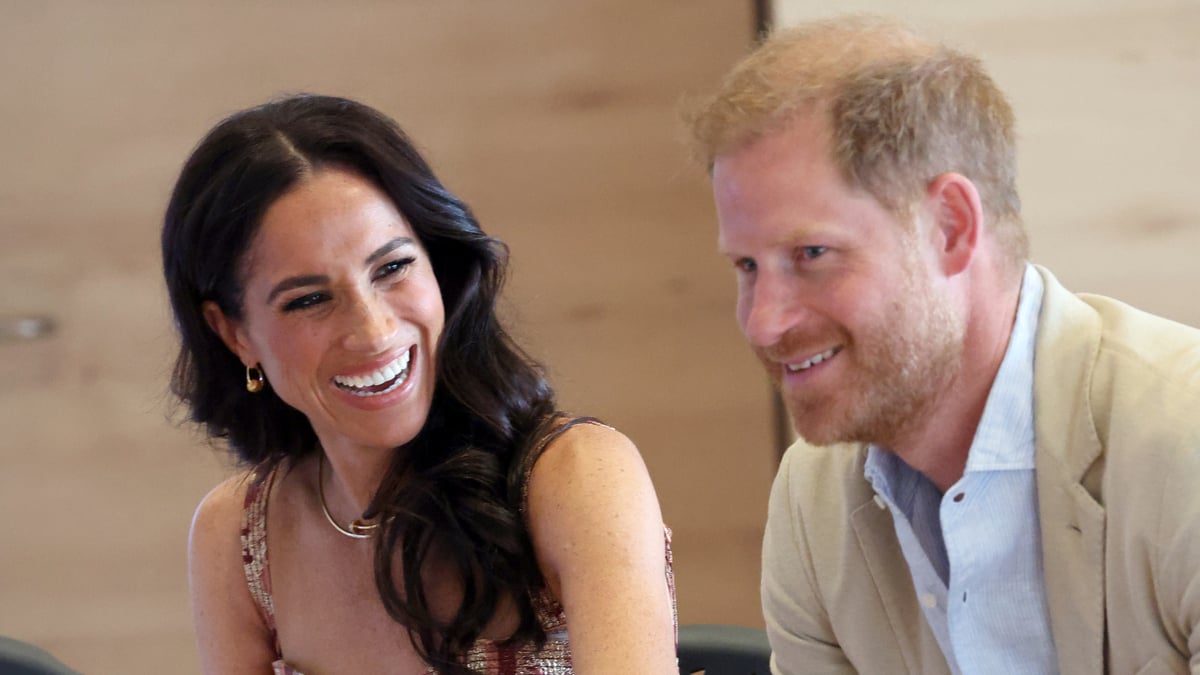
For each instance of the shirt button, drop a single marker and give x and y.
(959, 497)
(929, 600)
(880, 503)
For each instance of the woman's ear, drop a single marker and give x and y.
(230, 331)
(957, 214)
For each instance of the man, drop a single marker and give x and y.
(995, 475)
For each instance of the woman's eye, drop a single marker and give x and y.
(393, 267)
(305, 301)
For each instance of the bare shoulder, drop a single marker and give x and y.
(597, 532)
(215, 540)
(219, 515)
(586, 447)
(230, 633)
(590, 497)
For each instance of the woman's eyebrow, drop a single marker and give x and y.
(388, 248)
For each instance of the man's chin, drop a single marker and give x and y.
(818, 427)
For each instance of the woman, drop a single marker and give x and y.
(412, 501)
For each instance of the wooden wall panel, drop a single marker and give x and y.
(556, 121)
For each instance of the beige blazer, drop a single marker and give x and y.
(1117, 420)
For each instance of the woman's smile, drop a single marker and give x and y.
(377, 382)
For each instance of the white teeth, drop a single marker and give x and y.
(380, 376)
(811, 361)
(395, 372)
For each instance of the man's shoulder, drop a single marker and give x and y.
(1145, 364)
(1139, 376)
(1111, 348)
(1156, 344)
(1115, 334)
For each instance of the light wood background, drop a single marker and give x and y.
(1107, 97)
(556, 120)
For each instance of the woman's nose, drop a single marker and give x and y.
(372, 326)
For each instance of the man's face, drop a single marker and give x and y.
(838, 297)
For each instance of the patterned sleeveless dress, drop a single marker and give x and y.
(486, 657)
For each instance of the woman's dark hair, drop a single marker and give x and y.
(454, 490)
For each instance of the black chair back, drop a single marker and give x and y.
(715, 649)
(22, 658)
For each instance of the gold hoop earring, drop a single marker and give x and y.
(254, 379)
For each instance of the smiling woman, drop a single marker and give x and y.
(341, 312)
(424, 506)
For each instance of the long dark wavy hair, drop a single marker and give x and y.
(454, 488)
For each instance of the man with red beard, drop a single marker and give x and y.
(995, 475)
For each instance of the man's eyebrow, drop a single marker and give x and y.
(793, 237)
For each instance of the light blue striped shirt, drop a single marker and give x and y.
(975, 553)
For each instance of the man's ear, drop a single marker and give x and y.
(230, 332)
(957, 214)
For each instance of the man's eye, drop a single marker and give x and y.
(812, 252)
(305, 301)
(393, 267)
(745, 265)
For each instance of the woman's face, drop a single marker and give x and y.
(342, 311)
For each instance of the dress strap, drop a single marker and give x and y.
(254, 548)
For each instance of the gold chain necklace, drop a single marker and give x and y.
(358, 529)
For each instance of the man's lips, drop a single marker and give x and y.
(798, 366)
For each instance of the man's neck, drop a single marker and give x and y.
(939, 444)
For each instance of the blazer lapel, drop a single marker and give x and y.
(1069, 463)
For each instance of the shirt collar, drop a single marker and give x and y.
(1004, 438)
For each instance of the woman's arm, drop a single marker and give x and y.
(229, 631)
(598, 534)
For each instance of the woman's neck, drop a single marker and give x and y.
(352, 476)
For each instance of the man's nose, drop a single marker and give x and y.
(772, 309)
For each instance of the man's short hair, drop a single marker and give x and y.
(902, 111)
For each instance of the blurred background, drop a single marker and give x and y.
(558, 122)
